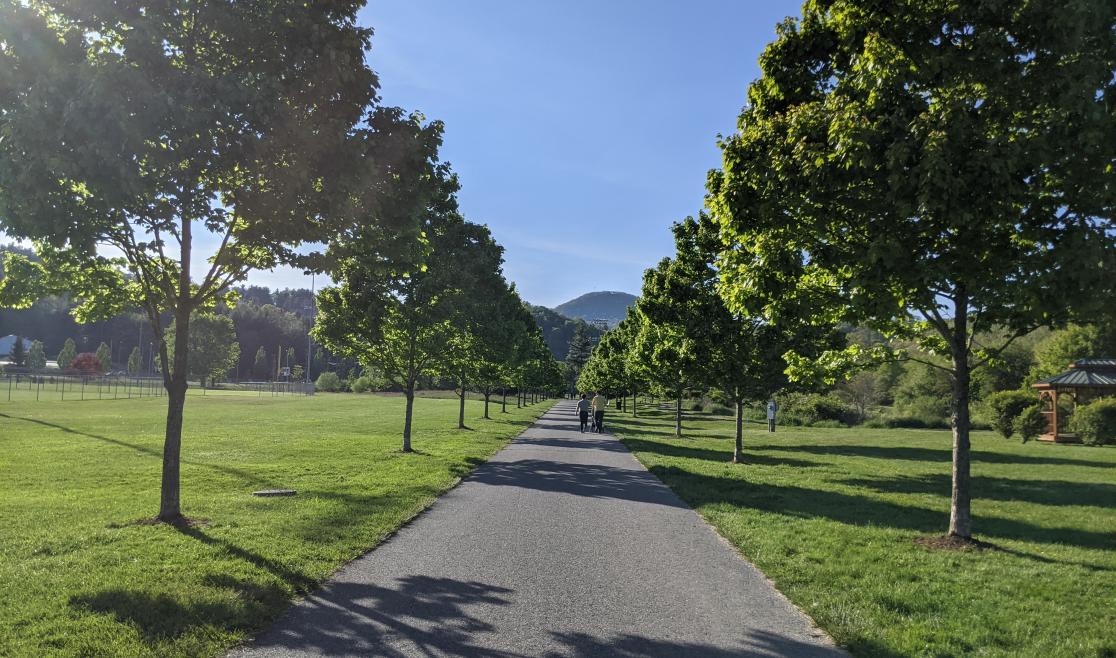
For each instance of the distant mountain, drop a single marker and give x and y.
(609, 306)
(557, 329)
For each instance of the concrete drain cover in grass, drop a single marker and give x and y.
(274, 492)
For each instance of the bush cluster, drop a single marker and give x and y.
(1095, 423)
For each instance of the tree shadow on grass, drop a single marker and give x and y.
(673, 450)
(151, 452)
(701, 490)
(298, 581)
(1039, 492)
(942, 454)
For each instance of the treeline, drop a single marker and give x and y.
(263, 127)
(939, 176)
(269, 328)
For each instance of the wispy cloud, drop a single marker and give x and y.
(587, 250)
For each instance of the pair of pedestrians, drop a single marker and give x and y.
(598, 408)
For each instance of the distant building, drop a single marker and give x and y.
(600, 323)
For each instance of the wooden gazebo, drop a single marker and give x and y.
(1086, 380)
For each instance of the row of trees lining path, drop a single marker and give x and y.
(941, 173)
(260, 124)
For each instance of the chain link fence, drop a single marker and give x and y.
(16, 387)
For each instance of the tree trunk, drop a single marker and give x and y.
(960, 518)
(635, 403)
(738, 453)
(170, 508)
(503, 400)
(461, 407)
(174, 380)
(678, 416)
(410, 393)
(487, 394)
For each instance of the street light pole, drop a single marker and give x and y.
(309, 339)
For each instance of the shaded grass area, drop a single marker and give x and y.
(832, 517)
(82, 575)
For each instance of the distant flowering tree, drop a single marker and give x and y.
(87, 364)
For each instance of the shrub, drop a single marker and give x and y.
(1007, 406)
(827, 423)
(368, 382)
(329, 382)
(924, 411)
(809, 409)
(1030, 423)
(722, 410)
(908, 422)
(1095, 423)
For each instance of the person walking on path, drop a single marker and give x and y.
(583, 412)
(599, 404)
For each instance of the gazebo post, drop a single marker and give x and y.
(1054, 412)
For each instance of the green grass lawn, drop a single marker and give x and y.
(831, 516)
(80, 577)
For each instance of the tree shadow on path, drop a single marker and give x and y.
(589, 480)
(438, 616)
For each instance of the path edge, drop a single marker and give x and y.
(818, 631)
(295, 600)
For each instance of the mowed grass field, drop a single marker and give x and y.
(832, 515)
(80, 575)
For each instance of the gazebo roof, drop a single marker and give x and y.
(1084, 373)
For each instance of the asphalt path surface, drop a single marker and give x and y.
(561, 545)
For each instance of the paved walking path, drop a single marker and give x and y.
(561, 545)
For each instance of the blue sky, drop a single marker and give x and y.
(580, 129)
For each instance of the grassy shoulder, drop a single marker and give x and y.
(832, 515)
(80, 576)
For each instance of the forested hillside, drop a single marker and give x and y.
(558, 329)
(604, 305)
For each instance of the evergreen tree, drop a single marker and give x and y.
(580, 349)
(18, 355)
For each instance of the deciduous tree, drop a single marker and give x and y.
(144, 125)
(214, 350)
(67, 355)
(104, 355)
(36, 357)
(931, 170)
